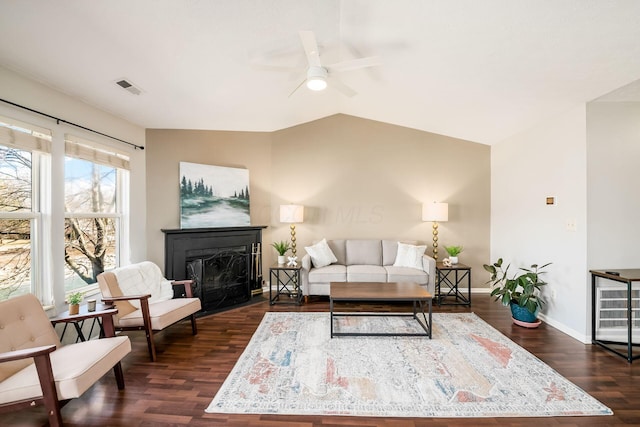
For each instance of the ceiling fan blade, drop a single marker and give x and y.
(341, 87)
(311, 48)
(354, 64)
(297, 87)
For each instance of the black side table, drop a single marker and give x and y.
(452, 277)
(286, 281)
(102, 315)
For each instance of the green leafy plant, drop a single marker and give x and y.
(453, 250)
(75, 298)
(281, 247)
(522, 289)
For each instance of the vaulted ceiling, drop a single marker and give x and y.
(477, 70)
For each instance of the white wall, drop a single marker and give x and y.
(547, 160)
(613, 176)
(36, 96)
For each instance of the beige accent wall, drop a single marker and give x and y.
(356, 178)
(167, 148)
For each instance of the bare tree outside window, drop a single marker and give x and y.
(15, 233)
(90, 235)
(89, 249)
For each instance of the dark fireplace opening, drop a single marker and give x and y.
(220, 276)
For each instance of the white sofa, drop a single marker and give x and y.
(364, 260)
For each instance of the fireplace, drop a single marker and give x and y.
(225, 263)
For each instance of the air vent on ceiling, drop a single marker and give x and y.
(128, 86)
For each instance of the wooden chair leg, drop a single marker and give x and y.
(148, 329)
(194, 327)
(117, 371)
(48, 386)
(150, 344)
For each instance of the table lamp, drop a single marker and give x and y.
(435, 212)
(292, 214)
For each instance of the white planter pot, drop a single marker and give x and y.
(453, 259)
(281, 259)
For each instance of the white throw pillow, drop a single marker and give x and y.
(409, 256)
(321, 254)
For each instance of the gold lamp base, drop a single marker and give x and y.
(435, 240)
(293, 239)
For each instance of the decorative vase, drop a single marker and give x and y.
(281, 259)
(74, 308)
(453, 259)
(523, 316)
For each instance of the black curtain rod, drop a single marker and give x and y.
(59, 120)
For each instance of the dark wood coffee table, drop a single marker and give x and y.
(377, 292)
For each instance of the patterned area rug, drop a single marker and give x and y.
(468, 369)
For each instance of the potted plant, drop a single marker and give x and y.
(453, 252)
(521, 292)
(281, 247)
(74, 300)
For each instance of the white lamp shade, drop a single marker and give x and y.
(291, 213)
(435, 212)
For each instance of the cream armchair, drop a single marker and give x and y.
(35, 369)
(145, 300)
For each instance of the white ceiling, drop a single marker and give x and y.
(477, 70)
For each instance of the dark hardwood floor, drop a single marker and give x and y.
(175, 390)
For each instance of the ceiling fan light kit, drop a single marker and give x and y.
(317, 78)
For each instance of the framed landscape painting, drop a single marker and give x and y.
(213, 196)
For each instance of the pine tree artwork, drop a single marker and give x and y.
(213, 196)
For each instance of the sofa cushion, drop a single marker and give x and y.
(389, 251)
(321, 254)
(364, 252)
(163, 314)
(330, 273)
(409, 256)
(23, 324)
(339, 248)
(406, 274)
(76, 367)
(366, 273)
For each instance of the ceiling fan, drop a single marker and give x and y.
(318, 76)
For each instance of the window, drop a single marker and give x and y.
(23, 160)
(45, 248)
(16, 224)
(95, 181)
